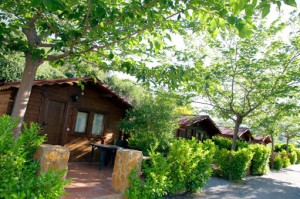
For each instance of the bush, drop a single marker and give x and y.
(233, 164)
(190, 164)
(186, 169)
(285, 159)
(282, 147)
(298, 156)
(260, 160)
(151, 123)
(293, 157)
(226, 143)
(278, 163)
(18, 169)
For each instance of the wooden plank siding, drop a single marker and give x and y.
(92, 99)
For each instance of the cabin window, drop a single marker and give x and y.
(81, 122)
(98, 124)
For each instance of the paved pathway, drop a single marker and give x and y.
(275, 185)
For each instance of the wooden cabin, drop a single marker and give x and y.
(201, 127)
(70, 116)
(258, 139)
(244, 134)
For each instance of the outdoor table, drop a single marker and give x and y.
(104, 148)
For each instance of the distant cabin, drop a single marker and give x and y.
(201, 127)
(244, 134)
(71, 116)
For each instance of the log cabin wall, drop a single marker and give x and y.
(55, 108)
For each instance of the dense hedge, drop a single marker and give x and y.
(186, 169)
(260, 160)
(225, 143)
(278, 163)
(285, 159)
(233, 164)
(292, 155)
(298, 156)
(18, 169)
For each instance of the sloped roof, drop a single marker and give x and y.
(186, 121)
(267, 139)
(227, 131)
(70, 81)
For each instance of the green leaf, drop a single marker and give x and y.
(265, 10)
(35, 3)
(290, 2)
(111, 55)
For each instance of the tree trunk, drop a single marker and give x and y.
(272, 151)
(238, 122)
(22, 98)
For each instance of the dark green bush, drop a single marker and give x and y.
(233, 164)
(282, 147)
(278, 163)
(260, 160)
(186, 169)
(226, 143)
(298, 156)
(18, 169)
(285, 159)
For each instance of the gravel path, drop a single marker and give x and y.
(275, 185)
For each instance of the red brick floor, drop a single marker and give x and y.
(88, 182)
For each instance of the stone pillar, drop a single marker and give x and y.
(125, 161)
(52, 157)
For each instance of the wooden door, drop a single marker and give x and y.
(53, 121)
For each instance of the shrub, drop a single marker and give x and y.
(278, 163)
(190, 164)
(293, 157)
(151, 123)
(282, 147)
(18, 169)
(298, 156)
(233, 164)
(226, 143)
(186, 169)
(285, 159)
(156, 182)
(260, 160)
(222, 143)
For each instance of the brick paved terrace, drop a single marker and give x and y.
(88, 182)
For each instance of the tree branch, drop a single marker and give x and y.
(86, 28)
(94, 47)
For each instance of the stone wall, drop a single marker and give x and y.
(52, 157)
(125, 161)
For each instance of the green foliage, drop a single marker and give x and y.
(46, 71)
(186, 168)
(11, 66)
(151, 124)
(260, 161)
(233, 164)
(293, 157)
(298, 156)
(156, 182)
(278, 162)
(190, 164)
(282, 147)
(18, 169)
(285, 159)
(226, 143)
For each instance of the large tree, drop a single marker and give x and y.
(54, 30)
(243, 75)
